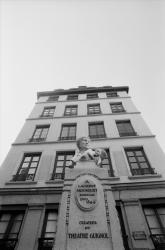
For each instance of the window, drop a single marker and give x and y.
(155, 216)
(138, 162)
(48, 112)
(70, 110)
(123, 230)
(27, 170)
(40, 133)
(10, 224)
(107, 164)
(72, 97)
(53, 98)
(93, 109)
(92, 95)
(68, 132)
(111, 94)
(96, 130)
(125, 128)
(62, 160)
(117, 107)
(47, 239)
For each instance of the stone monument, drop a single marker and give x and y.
(87, 218)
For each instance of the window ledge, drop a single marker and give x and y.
(136, 177)
(20, 182)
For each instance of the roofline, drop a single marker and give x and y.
(82, 89)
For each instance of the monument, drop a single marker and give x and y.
(88, 218)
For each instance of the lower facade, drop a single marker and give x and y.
(128, 217)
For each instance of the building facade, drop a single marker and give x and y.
(38, 210)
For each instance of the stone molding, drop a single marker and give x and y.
(73, 141)
(77, 116)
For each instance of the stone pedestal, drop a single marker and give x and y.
(87, 215)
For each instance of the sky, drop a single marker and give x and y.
(46, 45)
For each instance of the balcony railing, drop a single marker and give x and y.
(8, 244)
(159, 241)
(55, 176)
(94, 112)
(66, 138)
(97, 136)
(46, 115)
(45, 243)
(37, 139)
(143, 171)
(23, 177)
(128, 133)
(118, 110)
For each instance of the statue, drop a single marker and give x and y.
(85, 153)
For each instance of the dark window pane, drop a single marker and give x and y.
(40, 133)
(48, 112)
(25, 164)
(36, 158)
(72, 97)
(138, 162)
(68, 132)
(107, 164)
(134, 165)
(47, 239)
(117, 107)
(60, 163)
(96, 130)
(59, 170)
(92, 95)
(61, 157)
(27, 170)
(132, 159)
(111, 94)
(53, 98)
(138, 153)
(10, 224)
(27, 159)
(130, 153)
(65, 131)
(141, 159)
(3, 226)
(62, 160)
(94, 109)
(144, 165)
(70, 110)
(125, 128)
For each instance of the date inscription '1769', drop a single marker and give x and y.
(86, 195)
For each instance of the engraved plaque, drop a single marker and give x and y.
(86, 194)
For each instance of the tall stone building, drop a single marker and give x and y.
(118, 205)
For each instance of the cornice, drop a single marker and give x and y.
(82, 90)
(138, 185)
(85, 100)
(31, 190)
(58, 190)
(73, 141)
(77, 116)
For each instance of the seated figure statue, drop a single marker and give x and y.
(85, 153)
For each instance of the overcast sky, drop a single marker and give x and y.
(52, 44)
